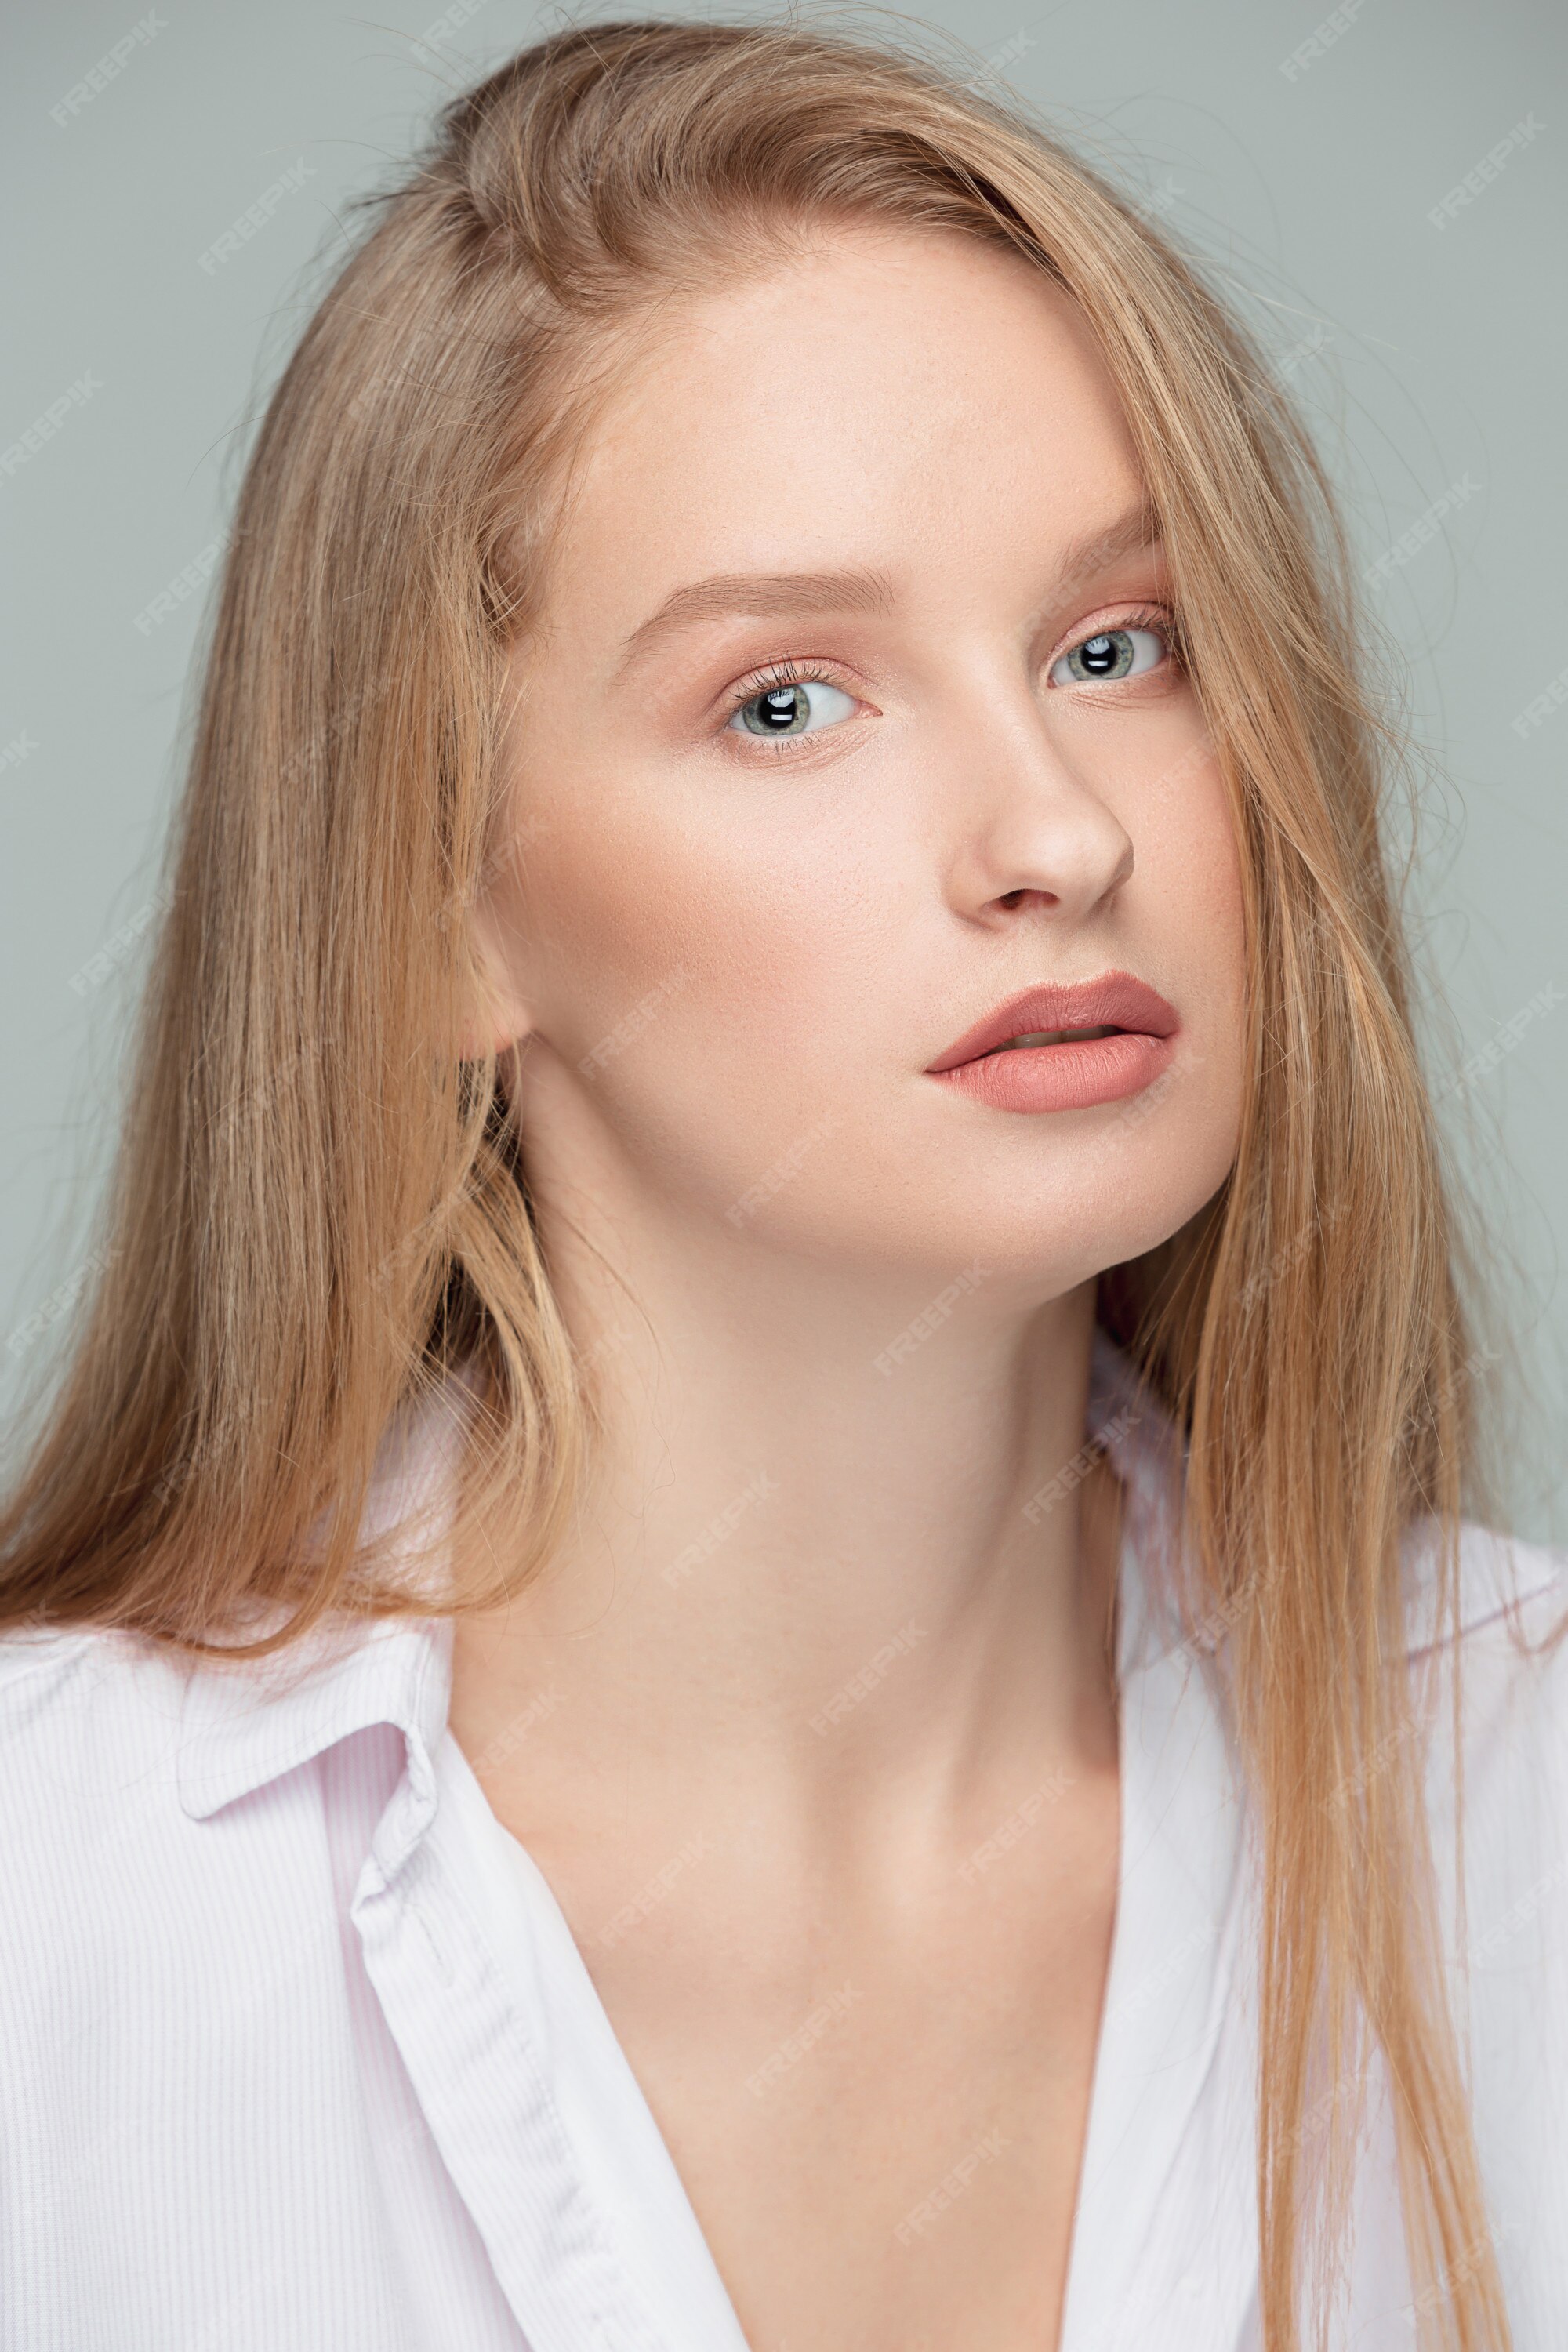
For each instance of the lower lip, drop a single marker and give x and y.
(1070, 1077)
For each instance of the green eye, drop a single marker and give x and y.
(1110, 654)
(796, 707)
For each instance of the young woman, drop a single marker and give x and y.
(755, 1616)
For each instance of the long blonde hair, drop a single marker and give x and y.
(321, 1212)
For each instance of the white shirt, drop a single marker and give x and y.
(298, 2052)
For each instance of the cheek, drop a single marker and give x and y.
(714, 972)
(616, 904)
(1193, 852)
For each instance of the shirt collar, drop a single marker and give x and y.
(247, 1722)
(1128, 1422)
(242, 1725)
(1148, 1451)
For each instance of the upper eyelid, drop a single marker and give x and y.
(805, 666)
(768, 674)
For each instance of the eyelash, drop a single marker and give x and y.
(787, 672)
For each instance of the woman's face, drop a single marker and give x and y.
(805, 780)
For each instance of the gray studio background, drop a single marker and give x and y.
(1382, 185)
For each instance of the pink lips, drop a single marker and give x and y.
(1072, 1075)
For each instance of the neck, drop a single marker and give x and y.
(813, 1552)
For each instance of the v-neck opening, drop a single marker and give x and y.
(623, 2157)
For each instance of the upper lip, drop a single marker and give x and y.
(1115, 1000)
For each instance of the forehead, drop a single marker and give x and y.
(888, 391)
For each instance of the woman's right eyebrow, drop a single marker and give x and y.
(757, 595)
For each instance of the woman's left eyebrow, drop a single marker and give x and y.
(1137, 531)
(758, 596)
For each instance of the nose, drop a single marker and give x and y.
(1027, 829)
